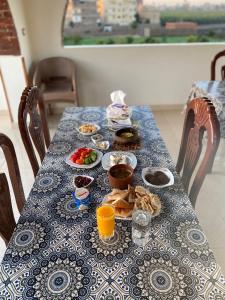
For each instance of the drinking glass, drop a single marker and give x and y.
(141, 223)
(105, 222)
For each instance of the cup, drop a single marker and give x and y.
(141, 222)
(105, 222)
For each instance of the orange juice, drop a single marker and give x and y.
(105, 221)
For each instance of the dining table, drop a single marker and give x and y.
(55, 251)
(215, 91)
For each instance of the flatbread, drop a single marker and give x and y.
(124, 201)
(121, 203)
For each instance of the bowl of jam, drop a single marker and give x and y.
(82, 181)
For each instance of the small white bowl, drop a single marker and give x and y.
(106, 144)
(76, 187)
(97, 138)
(89, 133)
(152, 170)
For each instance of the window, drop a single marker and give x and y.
(143, 21)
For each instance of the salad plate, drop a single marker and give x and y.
(92, 163)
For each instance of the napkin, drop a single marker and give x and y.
(118, 110)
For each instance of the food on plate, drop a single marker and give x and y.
(84, 156)
(116, 159)
(104, 145)
(82, 181)
(157, 178)
(124, 201)
(96, 138)
(87, 128)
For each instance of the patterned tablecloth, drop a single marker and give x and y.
(215, 91)
(55, 252)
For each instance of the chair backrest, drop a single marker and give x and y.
(7, 221)
(54, 67)
(200, 117)
(213, 64)
(36, 131)
(13, 169)
(223, 72)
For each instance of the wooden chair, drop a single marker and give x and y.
(7, 221)
(200, 117)
(56, 80)
(213, 64)
(31, 105)
(13, 168)
(223, 72)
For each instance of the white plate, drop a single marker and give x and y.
(90, 133)
(72, 164)
(150, 170)
(132, 160)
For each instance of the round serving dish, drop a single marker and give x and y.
(69, 162)
(125, 140)
(132, 160)
(153, 170)
(88, 133)
(120, 183)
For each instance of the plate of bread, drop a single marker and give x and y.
(125, 201)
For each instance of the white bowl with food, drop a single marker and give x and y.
(97, 138)
(102, 145)
(84, 158)
(157, 177)
(110, 159)
(88, 129)
(82, 181)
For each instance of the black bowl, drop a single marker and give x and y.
(125, 140)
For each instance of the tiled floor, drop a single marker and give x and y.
(210, 205)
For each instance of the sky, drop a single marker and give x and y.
(182, 1)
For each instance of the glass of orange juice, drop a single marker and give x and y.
(105, 222)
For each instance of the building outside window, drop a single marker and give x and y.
(97, 22)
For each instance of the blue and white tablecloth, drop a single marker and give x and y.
(55, 252)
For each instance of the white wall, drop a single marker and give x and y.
(151, 74)
(19, 16)
(3, 104)
(11, 66)
(14, 81)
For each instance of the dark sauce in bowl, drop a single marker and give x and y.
(120, 173)
(158, 178)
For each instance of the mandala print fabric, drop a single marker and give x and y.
(55, 252)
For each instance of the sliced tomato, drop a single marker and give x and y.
(81, 149)
(80, 161)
